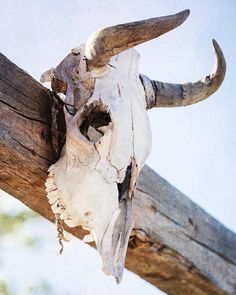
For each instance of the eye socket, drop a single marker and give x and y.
(95, 122)
(58, 86)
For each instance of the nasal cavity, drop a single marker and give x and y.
(95, 121)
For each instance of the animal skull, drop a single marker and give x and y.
(108, 135)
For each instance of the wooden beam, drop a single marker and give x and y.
(175, 245)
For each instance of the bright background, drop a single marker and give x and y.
(194, 148)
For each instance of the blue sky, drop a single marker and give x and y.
(195, 147)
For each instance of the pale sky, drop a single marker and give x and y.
(193, 147)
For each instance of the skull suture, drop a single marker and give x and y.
(108, 135)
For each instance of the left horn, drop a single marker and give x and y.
(103, 44)
(159, 94)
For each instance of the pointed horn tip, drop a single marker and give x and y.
(221, 66)
(180, 17)
(216, 46)
(185, 13)
(218, 51)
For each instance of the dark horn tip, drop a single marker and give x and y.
(214, 42)
(215, 45)
(185, 13)
(181, 16)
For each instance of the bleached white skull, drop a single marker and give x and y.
(108, 134)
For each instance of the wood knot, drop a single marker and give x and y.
(4, 176)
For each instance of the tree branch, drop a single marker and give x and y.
(175, 245)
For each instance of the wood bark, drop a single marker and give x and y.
(176, 245)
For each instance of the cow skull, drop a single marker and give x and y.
(108, 135)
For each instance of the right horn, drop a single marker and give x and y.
(159, 94)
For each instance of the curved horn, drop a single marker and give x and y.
(105, 43)
(159, 94)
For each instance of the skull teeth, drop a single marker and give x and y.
(51, 170)
(54, 198)
(52, 201)
(70, 223)
(88, 238)
(56, 208)
(51, 189)
(64, 215)
(50, 184)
